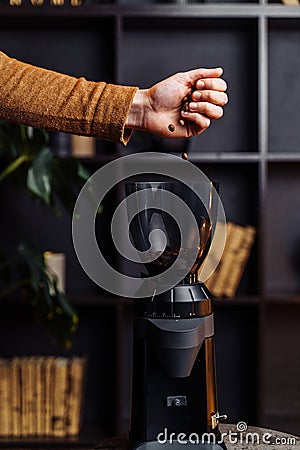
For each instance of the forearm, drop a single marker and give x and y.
(53, 101)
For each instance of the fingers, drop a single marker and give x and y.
(215, 84)
(215, 97)
(209, 99)
(207, 102)
(201, 122)
(197, 74)
(213, 112)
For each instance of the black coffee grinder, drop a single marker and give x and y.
(174, 400)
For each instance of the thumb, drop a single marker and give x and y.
(196, 74)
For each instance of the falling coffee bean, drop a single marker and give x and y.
(171, 127)
(184, 156)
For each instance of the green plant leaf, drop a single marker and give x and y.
(64, 186)
(83, 173)
(13, 166)
(37, 140)
(30, 164)
(32, 265)
(7, 138)
(68, 177)
(39, 177)
(51, 307)
(56, 316)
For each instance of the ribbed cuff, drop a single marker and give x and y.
(111, 113)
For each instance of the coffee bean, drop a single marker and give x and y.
(185, 102)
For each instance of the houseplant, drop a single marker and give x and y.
(30, 164)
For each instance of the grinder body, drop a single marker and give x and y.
(174, 381)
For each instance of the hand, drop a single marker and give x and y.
(160, 106)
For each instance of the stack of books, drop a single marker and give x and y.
(226, 278)
(290, 2)
(41, 396)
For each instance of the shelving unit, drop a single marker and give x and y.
(254, 151)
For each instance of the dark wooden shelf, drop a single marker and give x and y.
(245, 152)
(98, 299)
(284, 299)
(210, 157)
(226, 157)
(94, 11)
(243, 300)
(88, 438)
(284, 157)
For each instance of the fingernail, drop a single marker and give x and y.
(184, 112)
(197, 95)
(200, 84)
(193, 106)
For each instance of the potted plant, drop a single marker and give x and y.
(29, 163)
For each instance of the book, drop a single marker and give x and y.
(59, 400)
(5, 392)
(83, 146)
(226, 278)
(32, 396)
(76, 376)
(16, 397)
(290, 2)
(49, 372)
(235, 240)
(216, 281)
(241, 259)
(40, 395)
(25, 398)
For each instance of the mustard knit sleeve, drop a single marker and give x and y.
(45, 99)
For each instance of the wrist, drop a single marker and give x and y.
(136, 116)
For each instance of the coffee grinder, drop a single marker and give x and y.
(174, 399)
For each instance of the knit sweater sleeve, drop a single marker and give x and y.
(53, 101)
